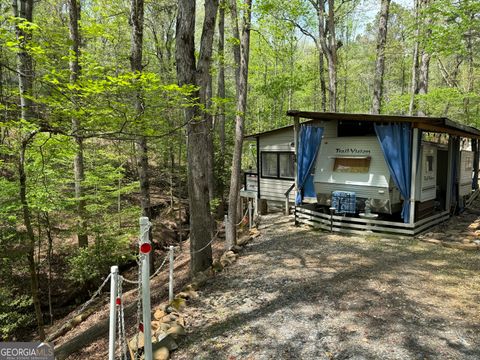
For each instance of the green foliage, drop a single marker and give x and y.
(94, 262)
(16, 313)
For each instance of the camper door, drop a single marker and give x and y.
(426, 184)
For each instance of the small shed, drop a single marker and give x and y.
(356, 172)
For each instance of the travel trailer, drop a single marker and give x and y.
(399, 169)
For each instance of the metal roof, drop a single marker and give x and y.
(433, 124)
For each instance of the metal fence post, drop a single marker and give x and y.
(113, 311)
(170, 284)
(145, 249)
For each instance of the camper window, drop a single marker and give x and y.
(352, 164)
(287, 165)
(269, 165)
(429, 163)
(278, 165)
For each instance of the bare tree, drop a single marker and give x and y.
(380, 64)
(190, 73)
(230, 231)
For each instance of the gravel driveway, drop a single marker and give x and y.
(296, 293)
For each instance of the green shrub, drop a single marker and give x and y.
(16, 313)
(95, 261)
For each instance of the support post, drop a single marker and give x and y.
(448, 195)
(287, 206)
(113, 312)
(296, 130)
(170, 283)
(475, 164)
(145, 263)
(255, 206)
(413, 180)
(250, 217)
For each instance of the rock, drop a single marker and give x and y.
(236, 249)
(165, 340)
(155, 325)
(132, 344)
(254, 233)
(176, 331)
(161, 353)
(168, 318)
(159, 314)
(182, 295)
(189, 287)
(181, 321)
(187, 295)
(243, 241)
(164, 327)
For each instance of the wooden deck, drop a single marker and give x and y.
(306, 214)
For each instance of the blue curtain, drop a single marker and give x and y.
(396, 143)
(308, 146)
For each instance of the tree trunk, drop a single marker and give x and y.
(141, 145)
(380, 64)
(236, 46)
(321, 76)
(197, 142)
(230, 231)
(221, 115)
(27, 221)
(329, 47)
(74, 11)
(470, 71)
(24, 9)
(415, 62)
(423, 80)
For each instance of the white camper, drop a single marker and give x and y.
(356, 164)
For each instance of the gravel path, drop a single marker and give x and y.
(296, 293)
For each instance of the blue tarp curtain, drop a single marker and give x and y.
(396, 143)
(308, 146)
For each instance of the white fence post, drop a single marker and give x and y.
(228, 244)
(250, 217)
(170, 284)
(113, 311)
(145, 248)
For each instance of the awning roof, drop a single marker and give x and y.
(433, 124)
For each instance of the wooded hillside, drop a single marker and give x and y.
(114, 109)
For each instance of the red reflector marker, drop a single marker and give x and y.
(145, 248)
(118, 301)
(140, 327)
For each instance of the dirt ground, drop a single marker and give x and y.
(296, 293)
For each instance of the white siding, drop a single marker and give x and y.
(465, 174)
(376, 180)
(275, 189)
(282, 140)
(278, 141)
